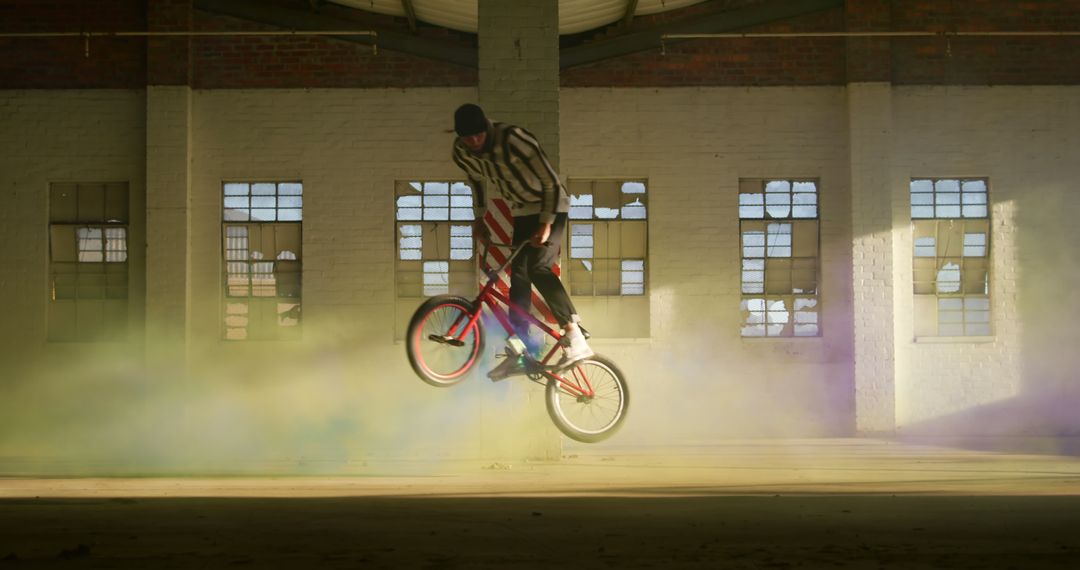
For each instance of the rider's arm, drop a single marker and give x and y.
(523, 144)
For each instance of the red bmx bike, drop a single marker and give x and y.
(587, 401)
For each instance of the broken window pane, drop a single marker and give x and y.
(778, 205)
(948, 278)
(90, 245)
(581, 207)
(634, 210)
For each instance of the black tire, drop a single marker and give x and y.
(590, 420)
(437, 363)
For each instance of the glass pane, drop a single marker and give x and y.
(778, 186)
(409, 213)
(264, 202)
(237, 202)
(751, 212)
(947, 186)
(974, 186)
(948, 211)
(925, 247)
(290, 215)
(978, 211)
(264, 189)
(633, 188)
(436, 201)
(461, 189)
(236, 189)
(922, 211)
(922, 186)
(291, 202)
(265, 215)
(947, 199)
(436, 213)
(290, 188)
(922, 199)
(436, 188)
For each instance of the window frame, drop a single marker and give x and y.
(234, 307)
(973, 214)
(749, 216)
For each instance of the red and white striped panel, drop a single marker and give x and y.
(501, 224)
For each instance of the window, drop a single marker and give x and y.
(434, 243)
(262, 248)
(950, 220)
(608, 255)
(88, 262)
(434, 239)
(779, 234)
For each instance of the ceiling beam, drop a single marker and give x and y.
(390, 39)
(649, 39)
(410, 12)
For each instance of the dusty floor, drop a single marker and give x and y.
(751, 504)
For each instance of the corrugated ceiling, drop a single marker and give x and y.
(574, 15)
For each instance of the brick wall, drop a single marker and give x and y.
(729, 62)
(260, 62)
(62, 63)
(271, 61)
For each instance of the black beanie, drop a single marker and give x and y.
(469, 120)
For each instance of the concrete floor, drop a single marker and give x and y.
(850, 503)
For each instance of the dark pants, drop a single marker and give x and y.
(534, 267)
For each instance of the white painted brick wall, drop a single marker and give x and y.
(168, 181)
(1024, 139)
(695, 379)
(870, 136)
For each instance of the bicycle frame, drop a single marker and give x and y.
(490, 296)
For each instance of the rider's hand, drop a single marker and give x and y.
(481, 232)
(542, 234)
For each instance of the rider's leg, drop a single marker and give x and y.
(540, 267)
(520, 281)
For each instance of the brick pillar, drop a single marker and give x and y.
(519, 84)
(168, 183)
(519, 66)
(872, 211)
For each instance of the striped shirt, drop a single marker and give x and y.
(513, 163)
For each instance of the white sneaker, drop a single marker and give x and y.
(575, 350)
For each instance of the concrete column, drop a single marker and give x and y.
(168, 185)
(519, 84)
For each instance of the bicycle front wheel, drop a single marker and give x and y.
(440, 349)
(591, 402)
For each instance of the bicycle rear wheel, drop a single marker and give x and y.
(593, 404)
(437, 356)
